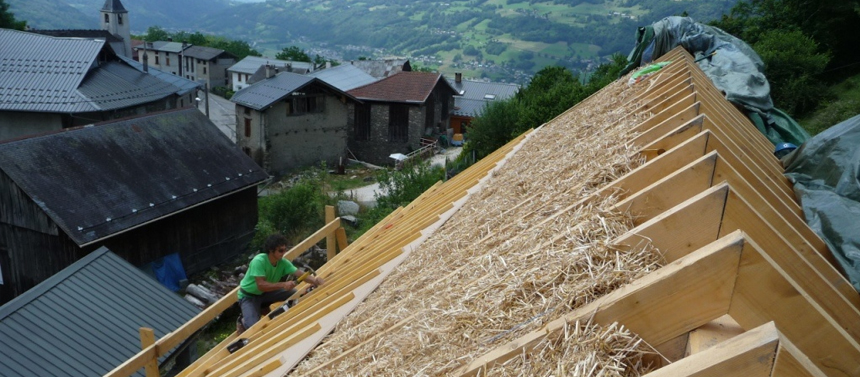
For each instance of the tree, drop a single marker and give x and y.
(156, 33)
(7, 18)
(293, 53)
(792, 65)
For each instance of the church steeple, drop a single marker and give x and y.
(115, 21)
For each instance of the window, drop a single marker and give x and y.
(167, 59)
(247, 111)
(298, 105)
(398, 123)
(156, 58)
(119, 18)
(107, 18)
(362, 122)
(204, 70)
(247, 127)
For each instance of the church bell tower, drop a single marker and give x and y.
(114, 19)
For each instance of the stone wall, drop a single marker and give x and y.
(377, 149)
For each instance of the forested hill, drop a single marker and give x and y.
(521, 34)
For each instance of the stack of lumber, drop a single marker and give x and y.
(647, 230)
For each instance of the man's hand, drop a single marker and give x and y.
(316, 281)
(289, 284)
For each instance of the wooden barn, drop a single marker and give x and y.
(646, 231)
(144, 187)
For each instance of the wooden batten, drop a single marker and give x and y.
(669, 118)
(660, 101)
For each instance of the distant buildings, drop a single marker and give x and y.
(473, 97)
(252, 69)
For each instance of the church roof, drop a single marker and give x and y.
(114, 6)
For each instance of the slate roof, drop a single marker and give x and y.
(165, 46)
(85, 320)
(204, 53)
(114, 6)
(184, 85)
(475, 95)
(264, 94)
(408, 87)
(344, 77)
(383, 68)
(41, 73)
(96, 181)
(251, 64)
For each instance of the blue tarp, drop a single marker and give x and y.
(168, 271)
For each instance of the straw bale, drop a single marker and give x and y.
(509, 261)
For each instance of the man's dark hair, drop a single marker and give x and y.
(273, 242)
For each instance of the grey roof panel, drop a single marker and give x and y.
(73, 324)
(263, 94)
(204, 53)
(42, 73)
(116, 85)
(250, 64)
(344, 77)
(132, 171)
(473, 95)
(79, 33)
(184, 85)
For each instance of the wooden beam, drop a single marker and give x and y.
(330, 246)
(340, 235)
(147, 339)
(792, 362)
(648, 306)
(747, 355)
(312, 239)
(712, 334)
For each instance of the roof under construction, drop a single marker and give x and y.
(648, 229)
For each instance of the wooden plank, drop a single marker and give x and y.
(699, 217)
(670, 190)
(132, 365)
(330, 246)
(231, 370)
(749, 355)
(812, 273)
(267, 368)
(147, 339)
(698, 282)
(662, 164)
(312, 239)
(671, 96)
(672, 117)
(791, 362)
(340, 235)
(765, 292)
(712, 334)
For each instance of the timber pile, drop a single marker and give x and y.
(646, 230)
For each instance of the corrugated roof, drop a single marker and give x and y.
(114, 6)
(251, 64)
(125, 173)
(344, 77)
(204, 53)
(115, 85)
(264, 93)
(410, 87)
(85, 320)
(475, 95)
(184, 85)
(42, 73)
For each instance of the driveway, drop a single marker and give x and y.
(222, 112)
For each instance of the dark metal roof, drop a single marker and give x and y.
(85, 320)
(344, 77)
(116, 85)
(42, 73)
(114, 6)
(263, 94)
(184, 85)
(205, 53)
(475, 95)
(96, 181)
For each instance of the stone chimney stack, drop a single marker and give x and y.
(458, 77)
(270, 70)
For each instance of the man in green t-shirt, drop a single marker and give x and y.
(263, 283)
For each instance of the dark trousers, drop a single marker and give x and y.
(251, 305)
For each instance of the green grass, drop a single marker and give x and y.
(846, 104)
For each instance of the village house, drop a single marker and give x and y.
(396, 112)
(144, 187)
(473, 98)
(163, 55)
(50, 83)
(383, 68)
(288, 121)
(208, 65)
(252, 69)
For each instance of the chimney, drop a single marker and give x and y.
(327, 64)
(170, 39)
(145, 62)
(270, 71)
(458, 77)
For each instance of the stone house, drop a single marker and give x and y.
(208, 65)
(396, 112)
(252, 69)
(163, 55)
(288, 121)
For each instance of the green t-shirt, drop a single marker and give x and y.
(260, 266)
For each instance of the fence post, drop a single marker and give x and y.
(147, 338)
(330, 245)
